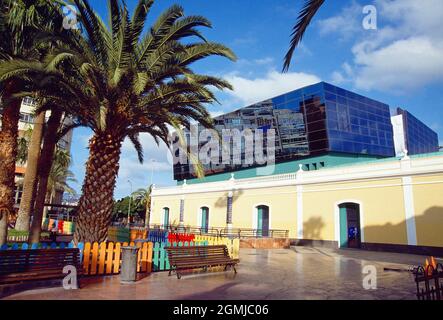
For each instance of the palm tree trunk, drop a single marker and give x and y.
(148, 213)
(8, 154)
(95, 206)
(44, 168)
(30, 181)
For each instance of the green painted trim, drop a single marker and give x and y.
(204, 219)
(166, 217)
(329, 160)
(343, 227)
(260, 220)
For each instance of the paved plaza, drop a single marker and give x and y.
(298, 273)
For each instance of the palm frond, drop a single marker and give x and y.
(134, 137)
(309, 10)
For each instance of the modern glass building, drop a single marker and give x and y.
(314, 121)
(417, 137)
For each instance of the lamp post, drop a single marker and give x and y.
(148, 210)
(152, 169)
(130, 198)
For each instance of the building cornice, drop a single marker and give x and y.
(394, 169)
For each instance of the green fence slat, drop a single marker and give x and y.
(162, 257)
(167, 265)
(156, 256)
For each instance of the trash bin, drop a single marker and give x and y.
(128, 272)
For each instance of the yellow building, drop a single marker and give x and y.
(391, 204)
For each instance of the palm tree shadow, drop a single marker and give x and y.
(313, 227)
(220, 292)
(222, 201)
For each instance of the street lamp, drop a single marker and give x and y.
(130, 198)
(152, 169)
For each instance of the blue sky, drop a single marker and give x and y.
(400, 63)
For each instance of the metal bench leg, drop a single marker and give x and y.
(178, 275)
(235, 270)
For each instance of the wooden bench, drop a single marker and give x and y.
(185, 258)
(19, 266)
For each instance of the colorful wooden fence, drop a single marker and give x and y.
(105, 258)
(180, 237)
(232, 244)
(160, 261)
(157, 235)
(44, 245)
(118, 234)
(61, 226)
(138, 233)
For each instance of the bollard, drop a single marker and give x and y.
(128, 272)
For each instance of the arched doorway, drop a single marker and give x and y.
(263, 221)
(165, 217)
(204, 212)
(350, 229)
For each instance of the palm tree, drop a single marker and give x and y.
(47, 160)
(15, 43)
(30, 180)
(59, 179)
(23, 25)
(23, 146)
(304, 18)
(142, 199)
(124, 84)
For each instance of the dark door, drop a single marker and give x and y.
(263, 221)
(350, 232)
(204, 219)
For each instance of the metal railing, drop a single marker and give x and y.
(125, 225)
(186, 229)
(224, 232)
(253, 233)
(429, 282)
(62, 216)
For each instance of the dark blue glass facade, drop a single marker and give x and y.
(311, 121)
(419, 137)
(357, 124)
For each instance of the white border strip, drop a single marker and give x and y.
(408, 195)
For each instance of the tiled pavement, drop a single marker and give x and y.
(299, 273)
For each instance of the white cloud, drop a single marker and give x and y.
(155, 161)
(249, 91)
(404, 53)
(347, 23)
(264, 61)
(401, 65)
(343, 76)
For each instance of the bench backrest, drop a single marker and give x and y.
(175, 253)
(18, 261)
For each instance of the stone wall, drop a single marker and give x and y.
(265, 243)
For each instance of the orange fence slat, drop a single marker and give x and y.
(117, 252)
(102, 258)
(109, 257)
(144, 257)
(150, 254)
(86, 257)
(94, 259)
